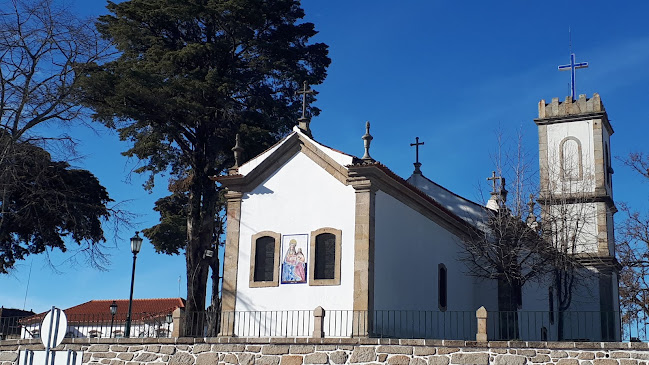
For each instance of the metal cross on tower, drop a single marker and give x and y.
(417, 163)
(306, 90)
(572, 67)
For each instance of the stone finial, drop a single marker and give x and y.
(367, 139)
(238, 152)
(481, 316)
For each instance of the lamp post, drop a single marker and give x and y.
(113, 311)
(136, 244)
(169, 319)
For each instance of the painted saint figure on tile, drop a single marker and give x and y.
(294, 259)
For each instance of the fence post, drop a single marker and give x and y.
(481, 316)
(318, 319)
(179, 316)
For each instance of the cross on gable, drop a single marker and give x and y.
(572, 67)
(306, 90)
(493, 180)
(417, 163)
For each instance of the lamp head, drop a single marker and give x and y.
(113, 308)
(136, 243)
(170, 318)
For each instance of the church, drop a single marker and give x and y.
(379, 255)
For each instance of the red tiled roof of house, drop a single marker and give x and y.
(99, 310)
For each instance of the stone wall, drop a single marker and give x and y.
(289, 351)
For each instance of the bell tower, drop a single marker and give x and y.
(576, 194)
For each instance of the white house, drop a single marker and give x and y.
(94, 319)
(310, 226)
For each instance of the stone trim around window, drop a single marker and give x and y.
(253, 251)
(562, 161)
(336, 280)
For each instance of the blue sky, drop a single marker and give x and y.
(449, 72)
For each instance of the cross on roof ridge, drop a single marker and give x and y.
(417, 163)
(306, 90)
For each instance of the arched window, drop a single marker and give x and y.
(324, 268)
(442, 287)
(570, 159)
(264, 259)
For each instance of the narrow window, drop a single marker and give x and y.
(264, 258)
(551, 304)
(442, 290)
(325, 256)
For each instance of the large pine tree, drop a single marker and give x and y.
(189, 75)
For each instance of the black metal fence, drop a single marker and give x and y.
(457, 325)
(92, 326)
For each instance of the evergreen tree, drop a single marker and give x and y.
(190, 75)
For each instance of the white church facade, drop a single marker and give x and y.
(310, 226)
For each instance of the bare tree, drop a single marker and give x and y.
(514, 247)
(633, 251)
(41, 199)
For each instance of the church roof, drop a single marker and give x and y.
(341, 158)
(459, 209)
(471, 212)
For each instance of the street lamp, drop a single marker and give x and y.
(113, 311)
(136, 244)
(169, 319)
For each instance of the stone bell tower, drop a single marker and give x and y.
(576, 194)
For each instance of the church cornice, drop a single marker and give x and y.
(603, 263)
(376, 176)
(558, 199)
(293, 145)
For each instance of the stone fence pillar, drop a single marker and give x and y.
(318, 319)
(179, 322)
(481, 316)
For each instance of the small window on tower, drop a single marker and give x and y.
(264, 259)
(442, 287)
(325, 257)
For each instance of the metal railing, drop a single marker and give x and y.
(91, 326)
(453, 325)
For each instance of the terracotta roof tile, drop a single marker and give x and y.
(99, 310)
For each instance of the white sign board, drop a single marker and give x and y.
(53, 328)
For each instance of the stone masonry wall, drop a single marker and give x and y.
(289, 351)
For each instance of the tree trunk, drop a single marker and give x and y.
(509, 295)
(214, 310)
(200, 237)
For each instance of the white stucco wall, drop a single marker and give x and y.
(298, 198)
(583, 131)
(577, 221)
(408, 249)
